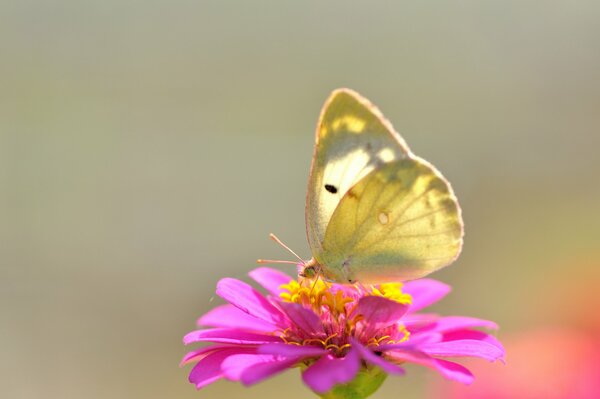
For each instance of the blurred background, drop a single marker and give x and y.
(148, 148)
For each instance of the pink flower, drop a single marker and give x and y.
(332, 332)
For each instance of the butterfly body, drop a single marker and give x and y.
(375, 212)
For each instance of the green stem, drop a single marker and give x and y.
(366, 382)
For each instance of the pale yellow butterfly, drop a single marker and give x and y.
(375, 212)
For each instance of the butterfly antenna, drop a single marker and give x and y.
(278, 241)
(287, 262)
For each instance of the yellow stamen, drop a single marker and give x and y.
(337, 347)
(313, 340)
(392, 291)
(406, 333)
(330, 338)
(338, 307)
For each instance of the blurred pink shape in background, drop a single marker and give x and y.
(541, 364)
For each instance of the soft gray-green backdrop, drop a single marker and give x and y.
(148, 148)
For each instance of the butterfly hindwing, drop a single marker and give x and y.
(400, 222)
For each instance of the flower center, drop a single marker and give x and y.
(335, 306)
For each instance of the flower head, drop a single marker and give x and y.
(337, 334)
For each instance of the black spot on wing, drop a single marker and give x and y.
(332, 189)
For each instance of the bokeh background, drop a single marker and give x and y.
(148, 148)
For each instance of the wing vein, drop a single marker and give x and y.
(390, 237)
(419, 217)
(410, 205)
(363, 233)
(365, 190)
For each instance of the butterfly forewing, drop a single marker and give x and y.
(352, 140)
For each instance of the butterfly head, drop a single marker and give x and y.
(313, 269)
(310, 269)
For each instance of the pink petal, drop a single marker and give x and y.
(302, 318)
(229, 316)
(419, 322)
(451, 323)
(249, 300)
(198, 354)
(454, 371)
(265, 370)
(376, 360)
(473, 334)
(379, 312)
(208, 369)
(270, 279)
(287, 350)
(236, 365)
(425, 292)
(329, 371)
(414, 342)
(253, 368)
(229, 336)
(465, 347)
(449, 370)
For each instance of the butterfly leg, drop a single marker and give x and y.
(346, 271)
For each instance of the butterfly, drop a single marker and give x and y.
(375, 212)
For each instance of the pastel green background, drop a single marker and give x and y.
(148, 148)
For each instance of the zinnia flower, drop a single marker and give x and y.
(345, 339)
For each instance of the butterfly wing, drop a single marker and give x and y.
(400, 222)
(352, 139)
(374, 211)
